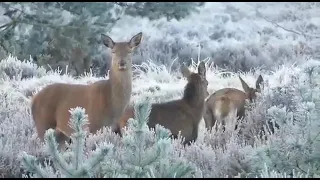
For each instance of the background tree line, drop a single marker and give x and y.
(67, 34)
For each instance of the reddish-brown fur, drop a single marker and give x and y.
(128, 113)
(104, 100)
(179, 115)
(227, 100)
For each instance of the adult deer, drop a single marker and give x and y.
(180, 115)
(229, 100)
(104, 100)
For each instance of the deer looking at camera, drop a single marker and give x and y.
(104, 100)
(180, 115)
(225, 101)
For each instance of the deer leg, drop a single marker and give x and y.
(117, 129)
(209, 119)
(193, 137)
(61, 138)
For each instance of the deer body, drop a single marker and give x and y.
(183, 114)
(127, 114)
(225, 101)
(104, 100)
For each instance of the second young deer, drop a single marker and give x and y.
(225, 101)
(180, 115)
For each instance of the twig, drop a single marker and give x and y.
(286, 29)
(6, 25)
(11, 23)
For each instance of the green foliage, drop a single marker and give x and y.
(170, 10)
(147, 155)
(66, 34)
(71, 163)
(295, 146)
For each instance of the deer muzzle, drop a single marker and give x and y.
(122, 65)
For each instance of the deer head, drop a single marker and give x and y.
(201, 71)
(251, 92)
(121, 51)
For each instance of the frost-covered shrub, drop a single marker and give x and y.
(291, 136)
(266, 173)
(12, 68)
(293, 146)
(16, 130)
(143, 153)
(215, 154)
(72, 163)
(234, 35)
(147, 153)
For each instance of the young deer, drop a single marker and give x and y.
(104, 100)
(180, 115)
(225, 101)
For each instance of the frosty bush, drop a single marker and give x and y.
(236, 36)
(290, 98)
(289, 148)
(72, 163)
(293, 146)
(142, 155)
(148, 154)
(12, 68)
(16, 130)
(273, 174)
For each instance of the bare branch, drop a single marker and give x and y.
(11, 23)
(286, 29)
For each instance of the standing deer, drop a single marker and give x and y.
(179, 115)
(104, 100)
(225, 101)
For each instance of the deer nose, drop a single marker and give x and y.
(122, 63)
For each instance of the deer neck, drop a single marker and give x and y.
(194, 97)
(121, 87)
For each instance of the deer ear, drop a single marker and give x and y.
(185, 71)
(107, 41)
(259, 82)
(202, 69)
(135, 40)
(244, 85)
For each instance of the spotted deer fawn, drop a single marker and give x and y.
(180, 115)
(225, 101)
(104, 100)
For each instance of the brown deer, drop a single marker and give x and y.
(180, 115)
(104, 100)
(225, 101)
